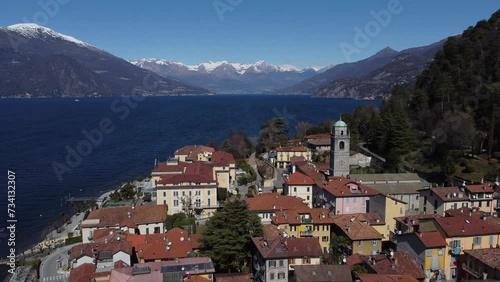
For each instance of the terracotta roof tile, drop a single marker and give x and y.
(232, 277)
(450, 194)
(311, 273)
(191, 151)
(354, 229)
(400, 263)
(317, 136)
(83, 273)
(414, 220)
(466, 226)
(271, 231)
(298, 178)
(479, 188)
(275, 202)
(288, 247)
(490, 257)
(222, 158)
(91, 249)
(292, 149)
(365, 277)
(431, 239)
(118, 216)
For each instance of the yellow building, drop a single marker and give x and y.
(186, 187)
(224, 169)
(284, 154)
(364, 238)
(305, 223)
(461, 232)
(428, 249)
(388, 208)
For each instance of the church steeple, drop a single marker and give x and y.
(339, 149)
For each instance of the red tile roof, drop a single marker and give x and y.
(221, 158)
(490, 256)
(354, 229)
(176, 243)
(322, 272)
(311, 216)
(479, 188)
(400, 263)
(317, 136)
(196, 278)
(466, 226)
(414, 220)
(431, 239)
(292, 149)
(83, 273)
(109, 234)
(196, 172)
(191, 151)
(275, 202)
(338, 186)
(271, 231)
(118, 216)
(476, 212)
(296, 160)
(288, 247)
(233, 277)
(298, 178)
(365, 277)
(90, 249)
(450, 194)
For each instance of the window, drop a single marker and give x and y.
(189, 193)
(157, 230)
(401, 210)
(271, 276)
(428, 252)
(325, 227)
(208, 201)
(476, 241)
(293, 228)
(308, 198)
(306, 261)
(208, 192)
(324, 239)
(374, 243)
(347, 200)
(164, 194)
(176, 203)
(316, 227)
(347, 209)
(197, 203)
(341, 145)
(281, 275)
(360, 243)
(272, 263)
(294, 189)
(147, 230)
(176, 193)
(183, 193)
(198, 193)
(455, 244)
(487, 203)
(164, 202)
(480, 203)
(388, 227)
(308, 189)
(281, 263)
(354, 200)
(440, 251)
(491, 240)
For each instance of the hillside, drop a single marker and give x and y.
(36, 61)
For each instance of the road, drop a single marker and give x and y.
(51, 267)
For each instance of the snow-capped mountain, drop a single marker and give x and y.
(34, 31)
(230, 77)
(36, 61)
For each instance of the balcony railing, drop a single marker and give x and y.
(471, 271)
(306, 233)
(306, 220)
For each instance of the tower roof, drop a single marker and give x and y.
(340, 123)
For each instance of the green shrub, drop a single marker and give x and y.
(493, 161)
(221, 194)
(73, 240)
(469, 168)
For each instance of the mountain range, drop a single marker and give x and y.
(372, 77)
(36, 61)
(230, 78)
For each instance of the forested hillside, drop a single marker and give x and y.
(448, 122)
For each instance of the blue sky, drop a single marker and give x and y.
(300, 33)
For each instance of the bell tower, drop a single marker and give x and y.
(339, 149)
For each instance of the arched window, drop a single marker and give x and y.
(341, 145)
(342, 132)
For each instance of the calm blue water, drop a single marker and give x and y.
(36, 132)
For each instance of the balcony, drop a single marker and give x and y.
(306, 233)
(393, 237)
(471, 271)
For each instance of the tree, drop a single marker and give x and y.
(357, 270)
(227, 237)
(302, 128)
(180, 220)
(339, 248)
